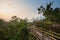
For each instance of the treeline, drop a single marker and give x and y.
(52, 20)
(15, 29)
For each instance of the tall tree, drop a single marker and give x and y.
(50, 13)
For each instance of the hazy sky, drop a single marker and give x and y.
(23, 8)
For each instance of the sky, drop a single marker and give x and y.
(23, 8)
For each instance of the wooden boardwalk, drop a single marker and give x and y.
(40, 35)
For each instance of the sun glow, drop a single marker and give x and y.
(12, 8)
(9, 8)
(6, 10)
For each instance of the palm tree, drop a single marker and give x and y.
(50, 13)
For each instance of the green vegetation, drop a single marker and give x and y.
(15, 29)
(52, 21)
(52, 17)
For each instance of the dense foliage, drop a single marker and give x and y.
(15, 29)
(52, 21)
